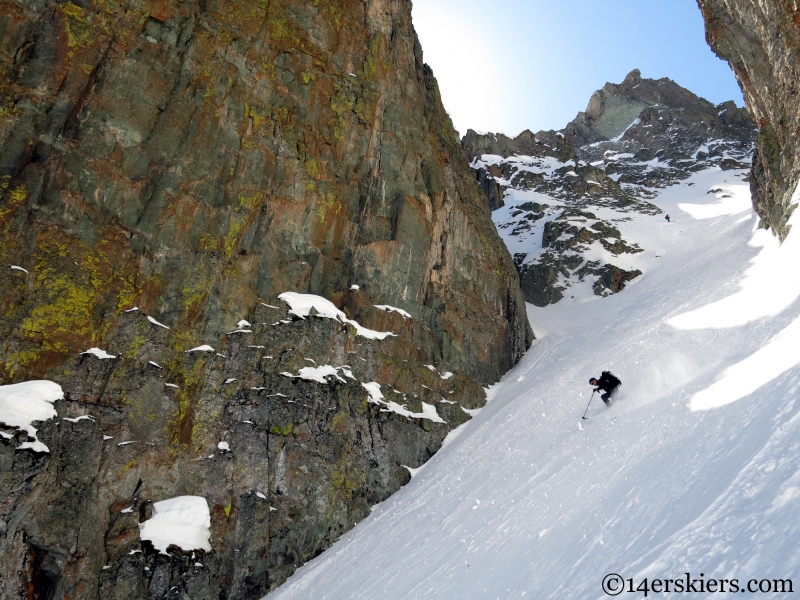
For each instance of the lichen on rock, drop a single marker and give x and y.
(197, 159)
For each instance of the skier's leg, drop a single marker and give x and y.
(606, 398)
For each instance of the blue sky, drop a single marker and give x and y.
(511, 65)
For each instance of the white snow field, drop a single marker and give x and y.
(695, 468)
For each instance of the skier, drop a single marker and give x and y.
(608, 383)
(667, 218)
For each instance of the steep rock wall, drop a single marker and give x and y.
(761, 42)
(196, 159)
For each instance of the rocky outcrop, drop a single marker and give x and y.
(544, 143)
(633, 139)
(490, 187)
(761, 42)
(196, 159)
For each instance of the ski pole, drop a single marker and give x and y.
(587, 406)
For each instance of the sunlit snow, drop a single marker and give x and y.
(156, 323)
(22, 404)
(651, 487)
(203, 348)
(101, 354)
(184, 521)
(302, 304)
(376, 397)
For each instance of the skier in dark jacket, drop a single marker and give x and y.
(608, 383)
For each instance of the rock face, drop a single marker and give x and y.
(761, 41)
(196, 159)
(660, 119)
(286, 462)
(633, 138)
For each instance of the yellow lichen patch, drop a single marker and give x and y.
(78, 29)
(8, 210)
(71, 281)
(8, 109)
(371, 62)
(328, 205)
(183, 424)
(69, 297)
(285, 430)
(345, 479)
(312, 168)
(17, 196)
(16, 361)
(340, 422)
(127, 466)
(249, 202)
(333, 12)
(208, 243)
(199, 284)
(344, 101)
(238, 221)
(279, 27)
(251, 113)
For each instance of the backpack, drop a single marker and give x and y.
(612, 378)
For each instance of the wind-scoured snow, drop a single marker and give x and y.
(184, 521)
(301, 305)
(22, 404)
(528, 500)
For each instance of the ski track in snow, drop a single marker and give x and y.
(529, 501)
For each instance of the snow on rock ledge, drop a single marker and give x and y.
(301, 305)
(184, 521)
(99, 353)
(376, 397)
(203, 348)
(23, 403)
(318, 374)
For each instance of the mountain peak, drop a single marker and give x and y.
(615, 108)
(633, 77)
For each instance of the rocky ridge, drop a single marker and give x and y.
(761, 42)
(633, 139)
(196, 160)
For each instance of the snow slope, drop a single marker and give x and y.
(682, 474)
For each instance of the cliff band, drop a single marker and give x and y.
(168, 170)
